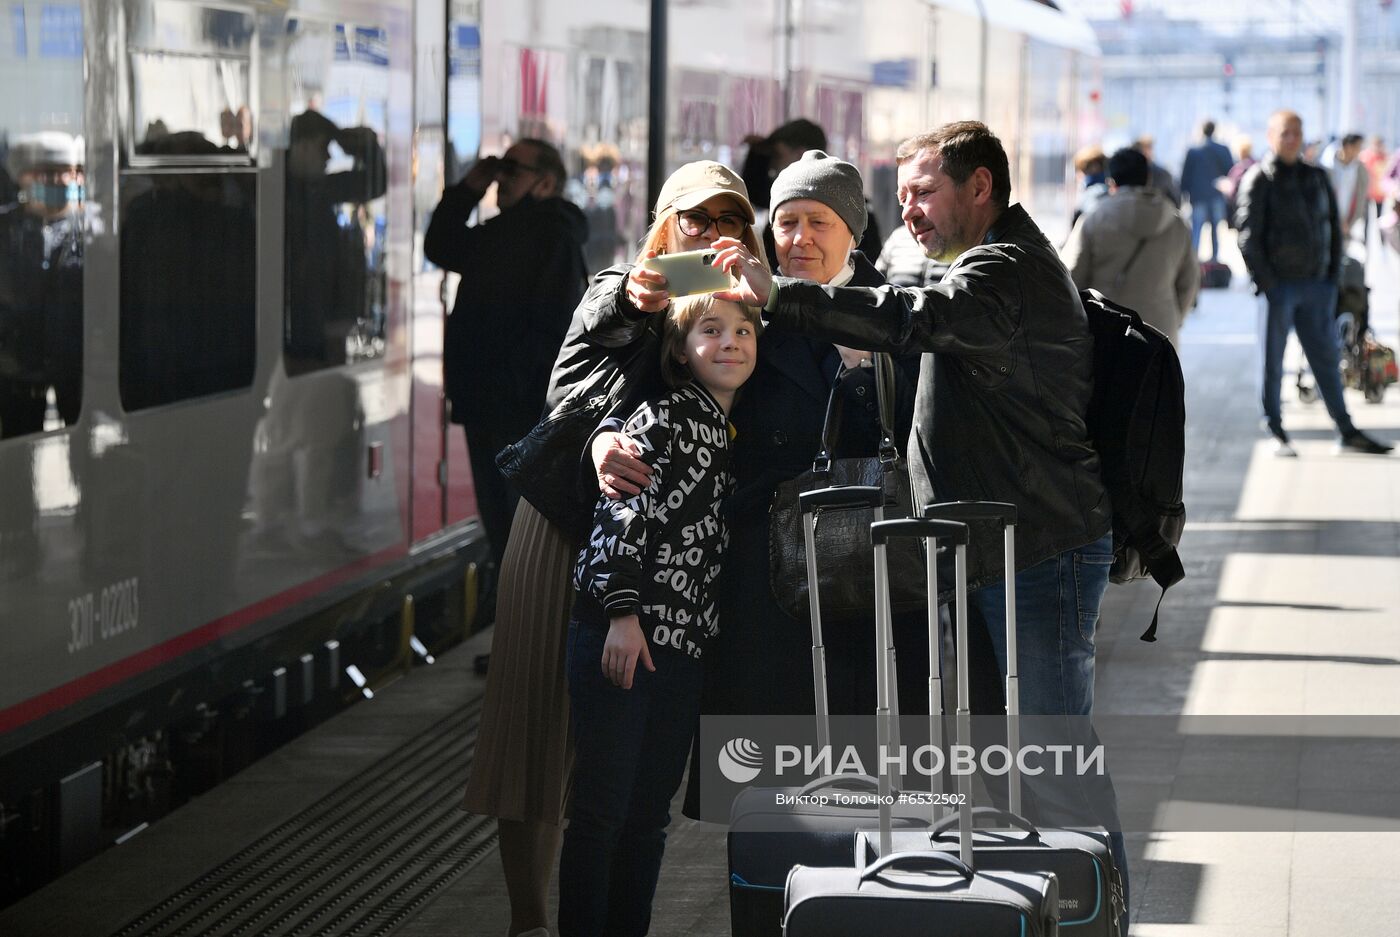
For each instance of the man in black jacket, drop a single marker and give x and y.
(522, 275)
(1000, 414)
(1292, 243)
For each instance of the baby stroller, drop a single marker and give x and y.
(1367, 365)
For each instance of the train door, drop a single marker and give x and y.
(448, 133)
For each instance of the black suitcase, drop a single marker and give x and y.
(766, 840)
(929, 892)
(1091, 889)
(1214, 275)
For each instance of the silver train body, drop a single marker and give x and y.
(225, 458)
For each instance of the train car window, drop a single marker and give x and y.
(335, 207)
(188, 204)
(45, 219)
(190, 74)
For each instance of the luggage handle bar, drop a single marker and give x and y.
(931, 530)
(841, 497)
(1005, 515)
(916, 861)
(837, 498)
(855, 781)
(1006, 816)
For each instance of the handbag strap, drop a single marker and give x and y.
(1122, 277)
(884, 397)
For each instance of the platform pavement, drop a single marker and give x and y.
(1292, 606)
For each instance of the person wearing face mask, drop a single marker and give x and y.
(521, 772)
(761, 664)
(522, 272)
(41, 283)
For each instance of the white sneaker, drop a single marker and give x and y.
(1284, 449)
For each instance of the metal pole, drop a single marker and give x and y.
(656, 102)
(1347, 120)
(984, 44)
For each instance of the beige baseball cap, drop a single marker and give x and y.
(695, 182)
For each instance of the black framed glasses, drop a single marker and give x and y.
(695, 223)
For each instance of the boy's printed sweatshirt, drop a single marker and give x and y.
(657, 554)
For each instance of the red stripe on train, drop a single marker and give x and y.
(114, 673)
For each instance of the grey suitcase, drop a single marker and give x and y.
(765, 840)
(926, 892)
(1091, 891)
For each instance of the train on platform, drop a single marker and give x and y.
(231, 497)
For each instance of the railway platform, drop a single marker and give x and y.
(1291, 608)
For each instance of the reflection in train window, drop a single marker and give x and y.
(187, 285)
(44, 219)
(336, 282)
(191, 72)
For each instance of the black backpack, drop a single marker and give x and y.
(1137, 421)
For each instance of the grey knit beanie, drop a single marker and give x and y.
(826, 179)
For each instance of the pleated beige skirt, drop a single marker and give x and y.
(524, 752)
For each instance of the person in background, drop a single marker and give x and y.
(1374, 159)
(1206, 164)
(1291, 240)
(1135, 248)
(1159, 177)
(639, 636)
(1244, 148)
(1349, 182)
(522, 273)
(1092, 167)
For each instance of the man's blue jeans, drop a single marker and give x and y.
(632, 747)
(1208, 211)
(1309, 308)
(1057, 616)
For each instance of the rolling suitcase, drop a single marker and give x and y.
(1091, 890)
(927, 892)
(766, 840)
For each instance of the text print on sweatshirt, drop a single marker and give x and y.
(658, 554)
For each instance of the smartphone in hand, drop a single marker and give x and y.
(690, 272)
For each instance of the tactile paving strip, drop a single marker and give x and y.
(358, 863)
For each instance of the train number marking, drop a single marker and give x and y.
(113, 611)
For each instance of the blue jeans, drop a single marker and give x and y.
(1208, 211)
(632, 747)
(1307, 307)
(1057, 617)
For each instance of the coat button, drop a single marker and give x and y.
(870, 406)
(779, 438)
(860, 391)
(975, 372)
(1002, 369)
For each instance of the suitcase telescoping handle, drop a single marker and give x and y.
(838, 498)
(931, 531)
(1004, 515)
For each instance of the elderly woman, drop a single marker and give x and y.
(524, 753)
(762, 662)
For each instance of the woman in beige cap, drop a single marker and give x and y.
(524, 751)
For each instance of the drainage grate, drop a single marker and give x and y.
(358, 863)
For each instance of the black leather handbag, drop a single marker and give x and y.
(845, 561)
(549, 466)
